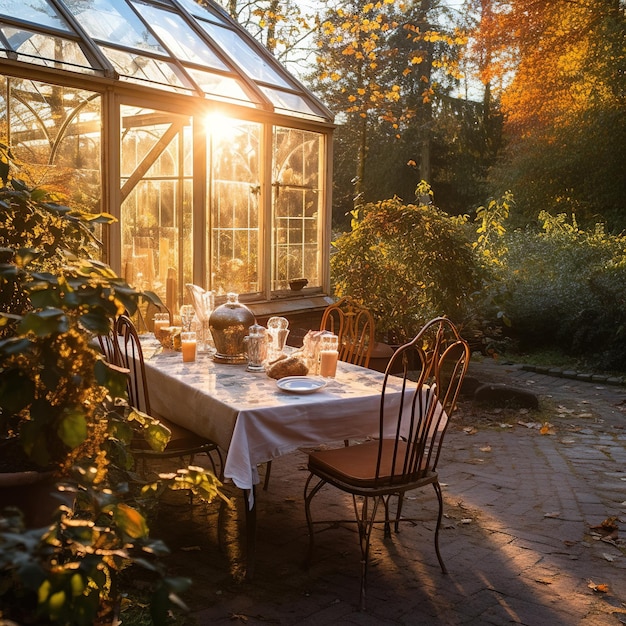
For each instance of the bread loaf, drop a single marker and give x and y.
(289, 366)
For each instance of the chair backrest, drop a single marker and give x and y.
(418, 401)
(131, 358)
(354, 325)
(109, 345)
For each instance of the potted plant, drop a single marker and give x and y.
(63, 415)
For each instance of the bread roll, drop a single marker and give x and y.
(289, 366)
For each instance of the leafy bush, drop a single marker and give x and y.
(407, 262)
(565, 288)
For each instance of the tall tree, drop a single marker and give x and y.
(560, 68)
(377, 67)
(282, 26)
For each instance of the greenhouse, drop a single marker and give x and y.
(171, 117)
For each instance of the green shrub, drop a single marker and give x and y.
(407, 263)
(566, 288)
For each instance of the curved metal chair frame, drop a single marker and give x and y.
(126, 352)
(404, 457)
(355, 327)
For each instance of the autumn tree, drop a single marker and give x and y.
(558, 68)
(380, 66)
(283, 27)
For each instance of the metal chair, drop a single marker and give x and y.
(183, 442)
(355, 327)
(405, 454)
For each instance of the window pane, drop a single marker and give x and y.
(140, 68)
(35, 11)
(297, 202)
(248, 59)
(115, 22)
(199, 11)
(234, 205)
(47, 50)
(156, 212)
(184, 44)
(218, 85)
(290, 102)
(56, 133)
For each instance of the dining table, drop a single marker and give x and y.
(254, 421)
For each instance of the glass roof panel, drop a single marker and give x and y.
(199, 11)
(248, 59)
(290, 102)
(139, 68)
(115, 22)
(218, 85)
(35, 11)
(46, 50)
(179, 37)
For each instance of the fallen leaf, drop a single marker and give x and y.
(567, 441)
(609, 524)
(585, 415)
(470, 430)
(569, 543)
(506, 425)
(466, 520)
(239, 616)
(485, 449)
(601, 588)
(553, 514)
(547, 429)
(609, 557)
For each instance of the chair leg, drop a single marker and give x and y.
(307, 510)
(387, 529)
(399, 512)
(439, 518)
(365, 523)
(268, 471)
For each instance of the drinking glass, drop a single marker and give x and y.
(329, 355)
(161, 321)
(188, 344)
(278, 330)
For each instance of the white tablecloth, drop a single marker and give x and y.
(249, 417)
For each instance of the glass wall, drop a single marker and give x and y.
(234, 205)
(297, 207)
(156, 191)
(56, 132)
(172, 118)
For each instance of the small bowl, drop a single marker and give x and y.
(298, 283)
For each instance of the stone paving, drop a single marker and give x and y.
(534, 530)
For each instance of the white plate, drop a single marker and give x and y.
(300, 384)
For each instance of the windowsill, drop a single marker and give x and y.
(285, 302)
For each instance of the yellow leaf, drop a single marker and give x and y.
(130, 521)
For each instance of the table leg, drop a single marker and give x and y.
(250, 531)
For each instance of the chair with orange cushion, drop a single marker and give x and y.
(415, 407)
